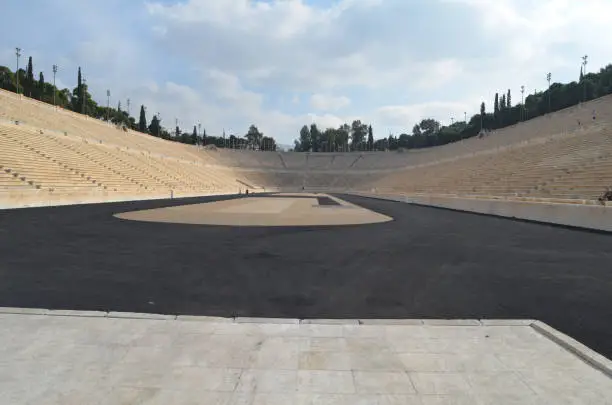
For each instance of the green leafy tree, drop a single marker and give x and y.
(418, 139)
(305, 142)
(325, 139)
(155, 126)
(7, 79)
(268, 143)
(185, 137)
(429, 127)
(392, 142)
(370, 138)
(405, 141)
(329, 136)
(315, 137)
(344, 132)
(359, 133)
(83, 102)
(254, 137)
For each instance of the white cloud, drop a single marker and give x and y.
(438, 73)
(159, 30)
(407, 115)
(228, 87)
(327, 102)
(231, 63)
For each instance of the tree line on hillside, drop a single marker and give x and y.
(430, 132)
(357, 136)
(80, 100)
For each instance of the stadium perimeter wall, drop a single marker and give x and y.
(587, 216)
(43, 198)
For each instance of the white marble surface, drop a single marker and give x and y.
(98, 360)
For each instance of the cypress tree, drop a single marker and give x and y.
(77, 93)
(83, 99)
(30, 76)
(194, 136)
(496, 105)
(142, 122)
(482, 114)
(496, 109)
(41, 85)
(503, 109)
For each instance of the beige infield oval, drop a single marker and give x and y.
(275, 210)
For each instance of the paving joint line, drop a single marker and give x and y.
(571, 345)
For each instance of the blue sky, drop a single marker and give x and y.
(281, 64)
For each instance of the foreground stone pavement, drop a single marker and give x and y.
(65, 357)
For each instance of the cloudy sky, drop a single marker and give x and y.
(281, 64)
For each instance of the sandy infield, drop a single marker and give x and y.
(280, 210)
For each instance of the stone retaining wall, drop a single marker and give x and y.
(596, 217)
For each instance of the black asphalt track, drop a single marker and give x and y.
(427, 263)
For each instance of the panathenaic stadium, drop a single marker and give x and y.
(135, 270)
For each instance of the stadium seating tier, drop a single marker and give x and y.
(564, 155)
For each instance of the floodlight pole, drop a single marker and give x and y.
(107, 105)
(18, 53)
(584, 64)
(54, 88)
(522, 103)
(548, 76)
